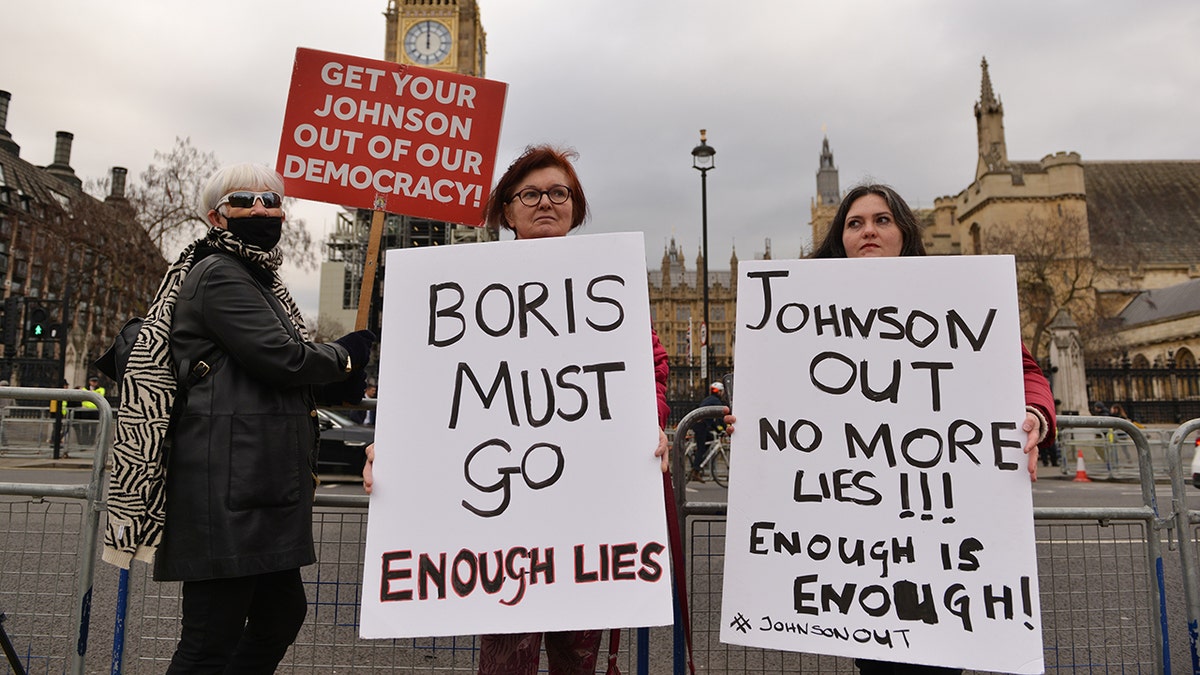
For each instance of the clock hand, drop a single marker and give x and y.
(428, 28)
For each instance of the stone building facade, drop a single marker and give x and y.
(83, 264)
(677, 312)
(1126, 233)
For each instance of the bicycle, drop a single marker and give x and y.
(717, 460)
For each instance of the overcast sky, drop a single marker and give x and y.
(629, 84)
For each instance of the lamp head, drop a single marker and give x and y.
(702, 155)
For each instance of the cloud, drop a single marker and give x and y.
(629, 85)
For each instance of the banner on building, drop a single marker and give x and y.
(879, 498)
(515, 483)
(399, 138)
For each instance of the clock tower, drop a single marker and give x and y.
(440, 34)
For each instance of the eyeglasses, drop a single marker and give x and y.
(558, 194)
(244, 199)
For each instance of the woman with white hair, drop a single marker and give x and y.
(224, 348)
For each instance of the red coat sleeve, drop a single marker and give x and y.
(661, 370)
(1038, 395)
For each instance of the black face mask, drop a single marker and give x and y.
(260, 232)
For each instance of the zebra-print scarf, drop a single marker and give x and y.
(136, 498)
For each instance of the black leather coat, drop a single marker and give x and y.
(240, 467)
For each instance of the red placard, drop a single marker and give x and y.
(377, 135)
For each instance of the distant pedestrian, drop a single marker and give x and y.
(88, 415)
(706, 429)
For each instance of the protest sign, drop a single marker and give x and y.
(376, 135)
(515, 483)
(879, 500)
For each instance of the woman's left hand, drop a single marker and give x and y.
(662, 450)
(368, 473)
(1031, 427)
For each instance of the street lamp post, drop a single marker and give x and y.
(702, 161)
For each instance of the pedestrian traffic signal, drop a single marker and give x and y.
(38, 323)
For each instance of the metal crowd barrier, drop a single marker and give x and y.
(1110, 452)
(1186, 519)
(28, 431)
(51, 540)
(1101, 574)
(49, 555)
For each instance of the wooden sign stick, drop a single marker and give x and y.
(369, 265)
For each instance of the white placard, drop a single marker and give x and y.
(879, 501)
(515, 484)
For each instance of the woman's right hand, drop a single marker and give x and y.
(368, 477)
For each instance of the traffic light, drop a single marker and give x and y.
(38, 323)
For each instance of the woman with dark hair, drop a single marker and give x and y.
(540, 196)
(874, 221)
(900, 220)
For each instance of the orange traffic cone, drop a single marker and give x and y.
(1081, 469)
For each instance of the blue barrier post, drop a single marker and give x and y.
(118, 652)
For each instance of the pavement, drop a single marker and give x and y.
(46, 460)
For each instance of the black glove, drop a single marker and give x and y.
(358, 344)
(349, 390)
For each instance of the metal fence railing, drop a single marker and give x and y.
(1111, 454)
(30, 430)
(1102, 575)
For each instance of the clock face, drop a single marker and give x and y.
(427, 42)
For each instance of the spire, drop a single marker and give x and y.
(827, 177)
(989, 128)
(826, 155)
(987, 98)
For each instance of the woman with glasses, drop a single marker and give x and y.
(224, 349)
(539, 196)
(873, 221)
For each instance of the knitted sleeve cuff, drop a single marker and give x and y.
(1043, 425)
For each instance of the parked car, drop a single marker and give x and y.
(343, 442)
(1196, 464)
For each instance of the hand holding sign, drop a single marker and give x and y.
(861, 485)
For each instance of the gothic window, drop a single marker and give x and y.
(683, 312)
(1184, 358)
(976, 243)
(718, 343)
(716, 312)
(1189, 378)
(36, 273)
(681, 344)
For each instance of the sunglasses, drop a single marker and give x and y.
(244, 199)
